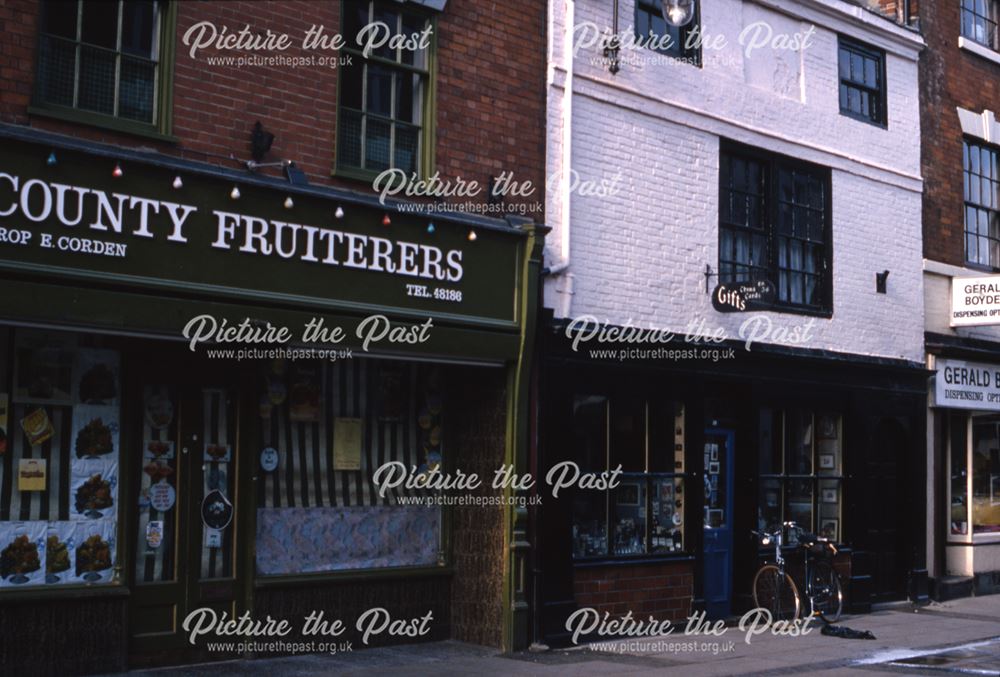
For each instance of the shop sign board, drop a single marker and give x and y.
(975, 300)
(967, 385)
(78, 219)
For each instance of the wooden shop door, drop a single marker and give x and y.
(185, 539)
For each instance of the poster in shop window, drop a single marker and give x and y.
(95, 377)
(43, 369)
(22, 553)
(60, 552)
(95, 548)
(93, 489)
(347, 443)
(95, 431)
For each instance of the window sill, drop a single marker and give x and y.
(102, 121)
(633, 560)
(978, 49)
(62, 592)
(861, 118)
(312, 579)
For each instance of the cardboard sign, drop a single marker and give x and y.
(347, 443)
(31, 474)
(37, 427)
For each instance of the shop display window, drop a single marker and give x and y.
(644, 514)
(325, 428)
(801, 471)
(975, 477)
(59, 459)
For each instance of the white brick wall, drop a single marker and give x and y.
(640, 255)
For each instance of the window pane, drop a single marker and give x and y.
(355, 16)
(349, 138)
(139, 28)
(590, 432)
(666, 436)
(986, 475)
(407, 150)
(628, 434)
(379, 97)
(828, 443)
(135, 97)
(629, 501)
(798, 442)
(770, 442)
(97, 80)
(56, 65)
(59, 18)
(799, 507)
(100, 23)
(377, 144)
(668, 513)
(590, 524)
(408, 98)
(769, 505)
(829, 510)
(351, 85)
(391, 19)
(414, 24)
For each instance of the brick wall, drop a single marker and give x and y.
(477, 399)
(640, 254)
(949, 78)
(490, 90)
(663, 591)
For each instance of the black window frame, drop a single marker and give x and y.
(679, 50)
(970, 17)
(648, 479)
(877, 95)
(815, 477)
(772, 164)
(990, 208)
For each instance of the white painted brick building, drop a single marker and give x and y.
(641, 254)
(829, 432)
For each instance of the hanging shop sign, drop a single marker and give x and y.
(967, 385)
(133, 224)
(975, 300)
(740, 297)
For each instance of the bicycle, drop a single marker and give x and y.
(774, 588)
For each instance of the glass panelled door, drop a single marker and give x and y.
(185, 531)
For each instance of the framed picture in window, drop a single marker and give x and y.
(830, 529)
(828, 495)
(826, 427)
(713, 468)
(827, 461)
(628, 494)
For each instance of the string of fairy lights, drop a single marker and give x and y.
(289, 203)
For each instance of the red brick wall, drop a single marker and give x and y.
(663, 591)
(949, 78)
(490, 90)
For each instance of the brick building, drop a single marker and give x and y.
(775, 156)
(959, 96)
(142, 480)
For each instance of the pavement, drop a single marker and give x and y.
(960, 637)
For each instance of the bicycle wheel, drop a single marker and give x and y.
(825, 593)
(776, 592)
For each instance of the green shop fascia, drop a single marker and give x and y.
(202, 369)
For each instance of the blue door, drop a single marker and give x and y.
(718, 520)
